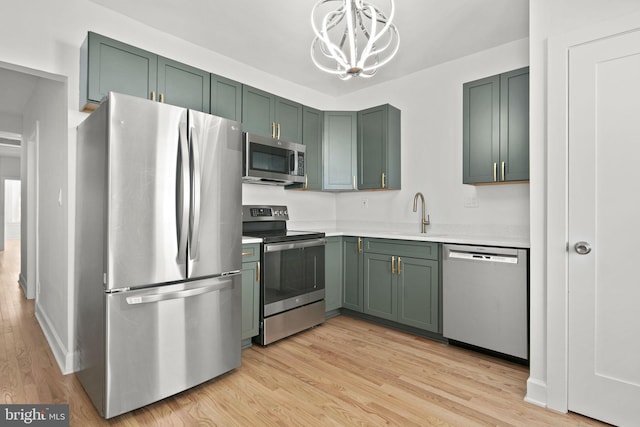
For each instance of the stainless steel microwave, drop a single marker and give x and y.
(271, 161)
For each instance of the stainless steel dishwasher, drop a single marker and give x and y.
(485, 298)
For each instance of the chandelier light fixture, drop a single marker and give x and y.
(353, 40)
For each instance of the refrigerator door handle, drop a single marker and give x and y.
(182, 201)
(196, 179)
(144, 299)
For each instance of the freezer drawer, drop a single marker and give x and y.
(485, 298)
(163, 340)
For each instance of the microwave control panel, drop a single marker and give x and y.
(300, 164)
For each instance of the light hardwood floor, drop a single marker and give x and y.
(343, 373)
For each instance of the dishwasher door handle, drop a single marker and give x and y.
(474, 256)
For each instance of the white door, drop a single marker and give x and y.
(604, 213)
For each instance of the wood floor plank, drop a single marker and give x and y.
(347, 372)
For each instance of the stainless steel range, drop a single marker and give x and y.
(292, 279)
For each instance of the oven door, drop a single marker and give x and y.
(293, 275)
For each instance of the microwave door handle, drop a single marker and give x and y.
(293, 165)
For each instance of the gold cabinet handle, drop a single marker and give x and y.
(399, 265)
(393, 265)
(359, 245)
(273, 129)
(383, 183)
(495, 171)
(153, 95)
(502, 167)
(306, 181)
(162, 98)
(258, 271)
(245, 253)
(278, 127)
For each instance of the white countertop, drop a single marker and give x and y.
(512, 242)
(247, 240)
(485, 236)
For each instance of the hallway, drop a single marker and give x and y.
(28, 371)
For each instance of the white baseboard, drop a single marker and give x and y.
(22, 281)
(536, 392)
(62, 356)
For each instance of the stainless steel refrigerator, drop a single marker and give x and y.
(158, 251)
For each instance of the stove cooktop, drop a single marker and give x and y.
(269, 224)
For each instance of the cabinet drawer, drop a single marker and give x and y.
(424, 250)
(251, 252)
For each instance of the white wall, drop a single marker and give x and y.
(549, 18)
(48, 107)
(431, 105)
(10, 122)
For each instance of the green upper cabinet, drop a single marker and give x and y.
(226, 98)
(379, 148)
(288, 120)
(183, 85)
(340, 150)
(312, 127)
(109, 65)
(271, 116)
(514, 125)
(258, 111)
(496, 128)
(361, 150)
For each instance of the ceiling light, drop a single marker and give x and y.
(354, 24)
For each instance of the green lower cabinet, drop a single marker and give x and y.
(418, 296)
(380, 295)
(250, 290)
(400, 287)
(333, 274)
(352, 267)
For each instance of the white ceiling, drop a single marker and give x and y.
(275, 35)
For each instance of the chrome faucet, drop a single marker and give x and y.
(424, 222)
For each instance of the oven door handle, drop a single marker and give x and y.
(285, 246)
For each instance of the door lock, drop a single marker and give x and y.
(582, 248)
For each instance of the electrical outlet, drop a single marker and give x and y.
(471, 201)
(365, 203)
